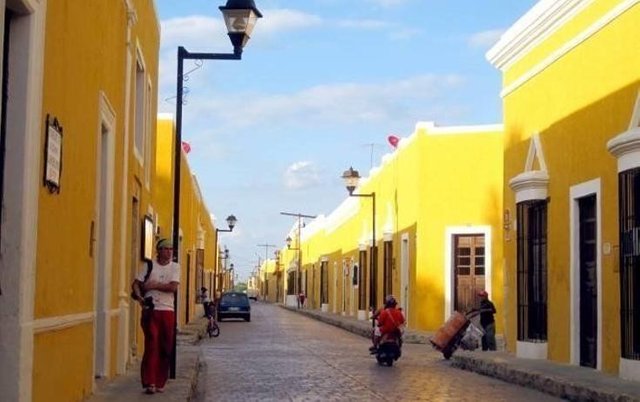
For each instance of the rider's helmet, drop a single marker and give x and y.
(390, 301)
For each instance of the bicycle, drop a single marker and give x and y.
(212, 326)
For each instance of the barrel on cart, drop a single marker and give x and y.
(448, 336)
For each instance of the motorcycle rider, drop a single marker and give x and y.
(390, 323)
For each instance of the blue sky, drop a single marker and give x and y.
(321, 85)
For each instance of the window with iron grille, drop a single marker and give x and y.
(291, 283)
(629, 188)
(388, 268)
(532, 270)
(324, 282)
(362, 287)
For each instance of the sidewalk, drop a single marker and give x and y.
(127, 387)
(561, 380)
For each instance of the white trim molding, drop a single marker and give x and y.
(530, 186)
(542, 20)
(449, 283)
(62, 322)
(626, 147)
(567, 47)
(629, 369)
(532, 350)
(592, 187)
(18, 243)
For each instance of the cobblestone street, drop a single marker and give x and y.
(280, 355)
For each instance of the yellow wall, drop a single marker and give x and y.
(438, 179)
(85, 56)
(577, 104)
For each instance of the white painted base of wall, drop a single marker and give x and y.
(532, 350)
(362, 315)
(324, 308)
(199, 311)
(630, 369)
(291, 301)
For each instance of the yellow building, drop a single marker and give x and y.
(571, 81)
(197, 255)
(83, 92)
(438, 230)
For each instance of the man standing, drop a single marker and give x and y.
(487, 310)
(155, 291)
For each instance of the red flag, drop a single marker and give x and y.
(393, 140)
(186, 147)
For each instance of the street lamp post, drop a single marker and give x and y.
(297, 281)
(351, 178)
(231, 222)
(240, 17)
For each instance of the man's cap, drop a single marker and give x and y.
(164, 243)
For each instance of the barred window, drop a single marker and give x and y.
(291, 283)
(388, 268)
(324, 282)
(629, 199)
(532, 270)
(362, 287)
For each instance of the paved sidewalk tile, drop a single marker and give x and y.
(127, 387)
(562, 380)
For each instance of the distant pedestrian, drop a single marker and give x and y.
(205, 300)
(301, 299)
(154, 288)
(487, 321)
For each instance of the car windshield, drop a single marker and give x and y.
(234, 299)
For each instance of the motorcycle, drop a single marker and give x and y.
(389, 350)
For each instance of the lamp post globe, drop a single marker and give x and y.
(240, 17)
(231, 221)
(351, 178)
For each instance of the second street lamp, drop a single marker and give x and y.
(351, 178)
(231, 222)
(297, 284)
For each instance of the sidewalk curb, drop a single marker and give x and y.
(545, 382)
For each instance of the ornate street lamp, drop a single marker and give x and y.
(240, 17)
(351, 178)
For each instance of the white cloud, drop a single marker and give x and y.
(301, 175)
(485, 39)
(342, 103)
(283, 20)
(364, 24)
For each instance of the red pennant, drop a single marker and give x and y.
(186, 147)
(393, 141)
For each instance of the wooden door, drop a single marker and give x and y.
(469, 264)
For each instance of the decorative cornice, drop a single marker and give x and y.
(626, 147)
(538, 23)
(531, 185)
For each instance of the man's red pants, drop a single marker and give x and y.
(158, 327)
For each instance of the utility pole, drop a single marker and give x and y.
(266, 258)
(297, 283)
